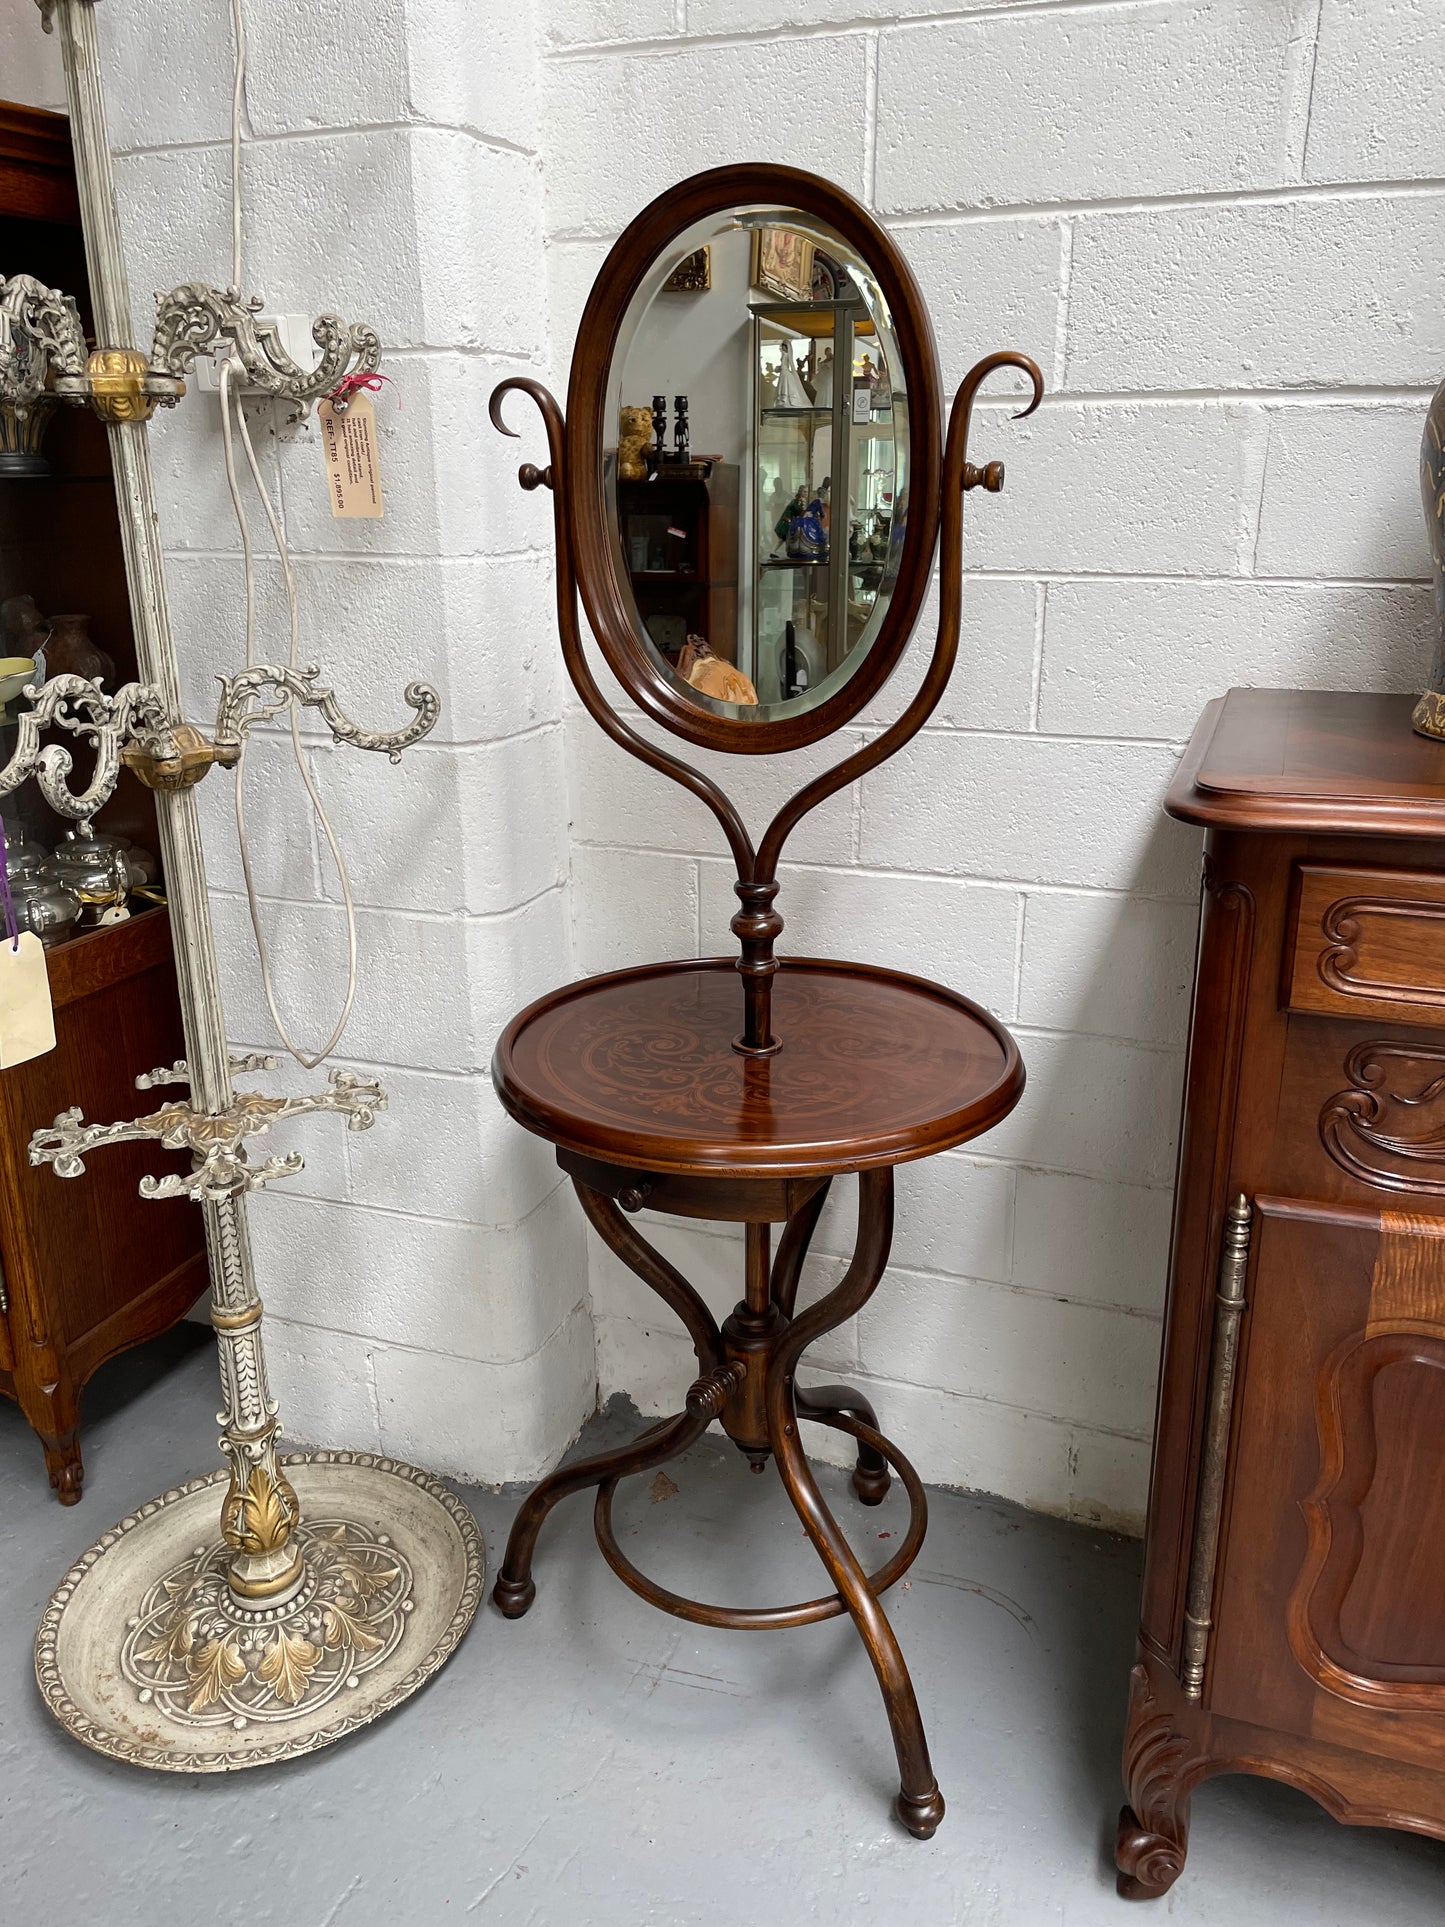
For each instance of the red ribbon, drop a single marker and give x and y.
(350, 385)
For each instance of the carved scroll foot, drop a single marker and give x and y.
(64, 1464)
(1160, 1768)
(1149, 1863)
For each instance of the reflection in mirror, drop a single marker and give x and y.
(756, 459)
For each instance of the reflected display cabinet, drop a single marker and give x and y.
(824, 415)
(1293, 1618)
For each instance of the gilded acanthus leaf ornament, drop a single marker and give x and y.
(211, 1669)
(192, 1656)
(262, 1517)
(287, 1664)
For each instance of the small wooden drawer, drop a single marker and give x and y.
(1368, 943)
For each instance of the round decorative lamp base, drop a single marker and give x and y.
(145, 1654)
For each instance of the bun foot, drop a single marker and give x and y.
(1148, 1863)
(871, 1484)
(920, 1813)
(512, 1597)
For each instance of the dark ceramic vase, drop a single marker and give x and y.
(1429, 716)
(69, 651)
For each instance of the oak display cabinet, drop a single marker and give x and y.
(1293, 1619)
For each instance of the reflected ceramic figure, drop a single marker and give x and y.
(791, 392)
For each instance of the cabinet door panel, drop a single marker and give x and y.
(1332, 1579)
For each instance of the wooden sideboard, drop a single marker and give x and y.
(1293, 1618)
(89, 1266)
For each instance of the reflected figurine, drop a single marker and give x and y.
(791, 392)
(711, 676)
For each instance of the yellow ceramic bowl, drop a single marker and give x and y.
(15, 673)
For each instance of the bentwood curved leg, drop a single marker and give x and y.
(793, 1249)
(654, 1270)
(515, 1588)
(920, 1804)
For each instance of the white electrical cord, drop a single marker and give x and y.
(231, 400)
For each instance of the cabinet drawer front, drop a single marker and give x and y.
(1369, 943)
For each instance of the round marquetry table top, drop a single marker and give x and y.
(637, 1068)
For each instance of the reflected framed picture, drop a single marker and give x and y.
(783, 263)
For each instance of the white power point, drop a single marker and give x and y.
(293, 331)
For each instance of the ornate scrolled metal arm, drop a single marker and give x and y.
(215, 1139)
(237, 1063)
(40, 328)
(242, 706)
(193, 319)
(82, 707)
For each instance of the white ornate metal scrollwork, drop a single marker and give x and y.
(40, 329)
(83, 708)
(242, 706)
(195, 319)
(216, 1140)
(180, 1072)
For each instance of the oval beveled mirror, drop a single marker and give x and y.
(753, 447)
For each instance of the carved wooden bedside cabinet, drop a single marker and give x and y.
(1293, 1619)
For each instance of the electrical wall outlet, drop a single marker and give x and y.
(292, 330)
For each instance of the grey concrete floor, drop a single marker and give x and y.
(598, 1764)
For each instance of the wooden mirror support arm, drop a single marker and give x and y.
(757, 925)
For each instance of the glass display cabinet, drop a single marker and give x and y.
(823, 416)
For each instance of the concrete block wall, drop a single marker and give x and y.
(425, 1281)
(1216, 224)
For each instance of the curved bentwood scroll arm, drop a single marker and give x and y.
(583, 681)
(758, 925)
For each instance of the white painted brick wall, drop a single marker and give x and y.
(1215, 224)
(427, 1280)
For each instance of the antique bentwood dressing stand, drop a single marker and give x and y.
(736, 1090)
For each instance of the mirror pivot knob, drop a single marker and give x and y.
(990, 477)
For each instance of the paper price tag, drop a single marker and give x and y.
(27, 1021)
(348, 445)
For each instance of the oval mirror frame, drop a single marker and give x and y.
(593, 543)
